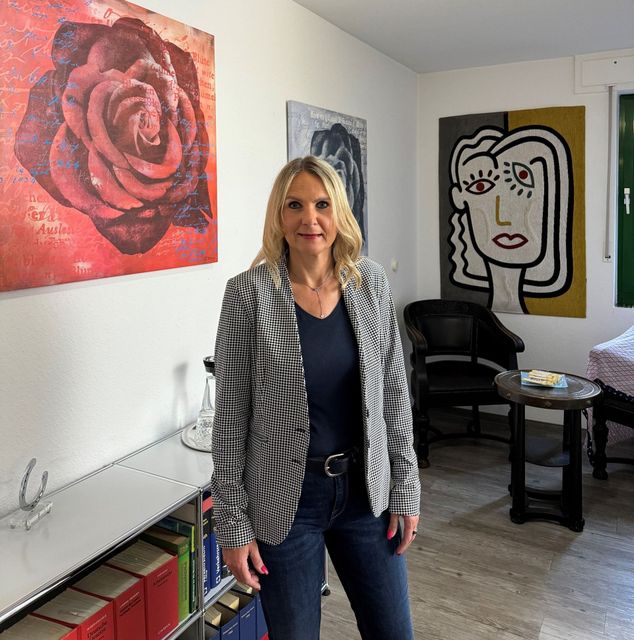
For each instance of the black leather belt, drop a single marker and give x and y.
(333, 465)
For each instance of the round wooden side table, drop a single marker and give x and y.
(565, 504)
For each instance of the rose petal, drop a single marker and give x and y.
(72, 41)
(185, 214)
(171, 160)
(186, 178)
(134, 112)
(145, 147)
(125, 132)
(41, 122)
(164, 83)
(187, 119)
(150, 192)
(128, 90)
(97, 127)
(182, 189)
(76, 96)
(130, 107)
(186, 73)
(67, 161)
(128, 137)
(118, 49)
(153, 42)
(107, 186)
(134, 232)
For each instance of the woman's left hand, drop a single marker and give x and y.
(409, 531)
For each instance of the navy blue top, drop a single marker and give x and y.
(331, 367)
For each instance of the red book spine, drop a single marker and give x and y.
(161, 600)
(99, 626)
(128, 611)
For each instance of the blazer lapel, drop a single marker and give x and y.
(293, 348)
(352, 302)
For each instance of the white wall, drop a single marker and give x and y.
(91, 371)
(560, 344)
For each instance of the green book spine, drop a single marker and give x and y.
(178, 545)
(189, 530)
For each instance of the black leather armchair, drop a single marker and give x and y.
(457, 349)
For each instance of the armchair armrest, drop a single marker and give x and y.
(419, 343)
(418, 340)
(515, 343)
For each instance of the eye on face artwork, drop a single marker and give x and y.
(511, 210)
(108, 142)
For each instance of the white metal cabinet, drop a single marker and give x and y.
(96, 515)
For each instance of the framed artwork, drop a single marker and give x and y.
(107, 142)
(512, 210)
(340, 140)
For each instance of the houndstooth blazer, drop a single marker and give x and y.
(261, 427)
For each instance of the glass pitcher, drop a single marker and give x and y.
(205, 420)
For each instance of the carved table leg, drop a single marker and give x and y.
(600, 434)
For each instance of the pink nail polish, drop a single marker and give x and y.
(264, 570)
(390, 534)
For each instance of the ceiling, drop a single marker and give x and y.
(438, 35)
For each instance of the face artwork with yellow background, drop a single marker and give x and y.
(512, 216)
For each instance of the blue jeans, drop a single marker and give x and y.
(335, 512)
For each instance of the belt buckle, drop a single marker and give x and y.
(327, 470)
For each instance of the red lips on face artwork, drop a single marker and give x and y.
(510, 240)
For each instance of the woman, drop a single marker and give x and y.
(312, 440)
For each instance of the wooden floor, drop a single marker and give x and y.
(476, 575)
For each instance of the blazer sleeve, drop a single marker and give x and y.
(233, 359)
(397, 413)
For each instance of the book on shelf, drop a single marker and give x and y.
(212, 618)
(211, 633)
(262, 631)
(92, 617)
(229, 623)
(159, 571)
(32, 628)
(176, 544)
(127, 594)
(247, 613)
(206, 529)
(215, 557)
(229, 600)
(260, 622)
(188, 529)
(215, 564)
(224, 569)
(243, 588)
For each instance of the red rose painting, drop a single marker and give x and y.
(113, 129)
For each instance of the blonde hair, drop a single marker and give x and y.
(346, 249)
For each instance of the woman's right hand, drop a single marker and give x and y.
(237, 559)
